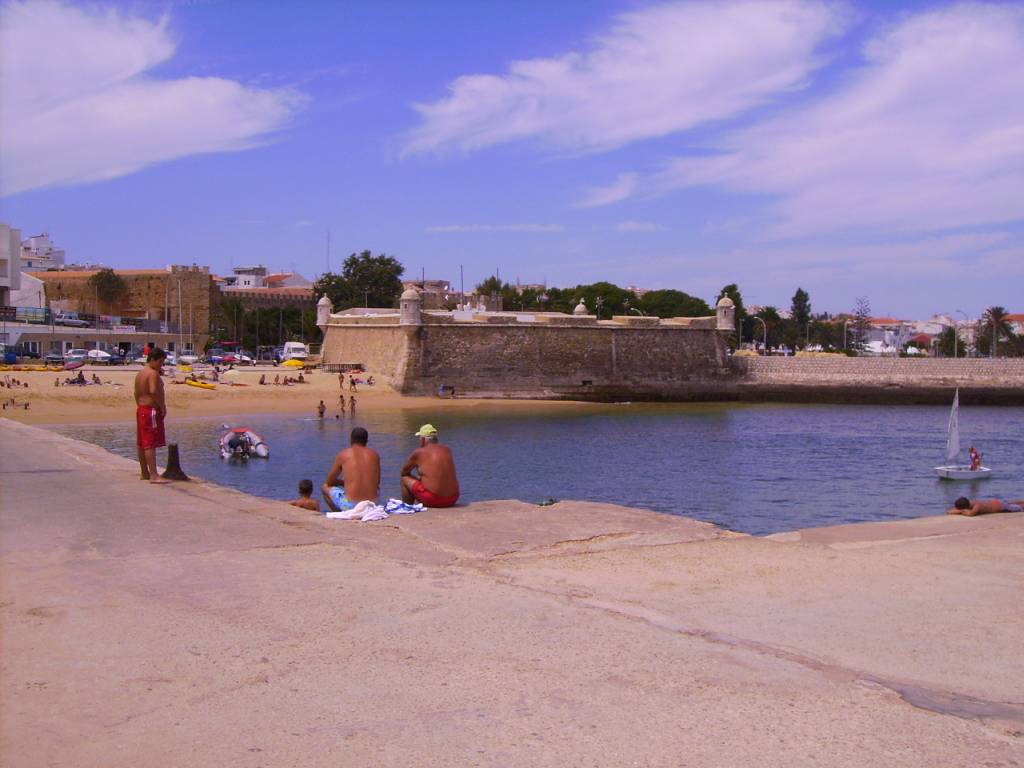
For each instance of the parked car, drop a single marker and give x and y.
(76, 356)
(54, 358)
(27, 353)
(215, 355)
(188, 358)
(70, 319)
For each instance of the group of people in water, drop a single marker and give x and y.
(428, 476)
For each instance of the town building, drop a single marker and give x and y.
(38, 253)
(257, 288)
(10, 264)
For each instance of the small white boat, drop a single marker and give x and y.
(243, 443)
(952, 470)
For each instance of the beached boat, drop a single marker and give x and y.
(243, 443)
(952, 470)
(200, 384)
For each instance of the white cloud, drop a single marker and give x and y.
(655, 72)
(624, 186)
(78, 105)
(638, 226)
(537, 228)
(928, 134)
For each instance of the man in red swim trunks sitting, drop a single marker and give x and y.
(435, 483)
(150, 410)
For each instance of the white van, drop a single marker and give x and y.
(294, 350)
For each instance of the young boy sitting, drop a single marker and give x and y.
(305, 500)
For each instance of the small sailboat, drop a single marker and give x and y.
(953, 470)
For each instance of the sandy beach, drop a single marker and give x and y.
(112, 400)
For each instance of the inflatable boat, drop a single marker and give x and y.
(243, 443)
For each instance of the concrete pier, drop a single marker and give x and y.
(191, 625)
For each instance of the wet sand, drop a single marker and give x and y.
(112, 400)
(194, 625)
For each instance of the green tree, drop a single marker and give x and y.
(365, 280)
(861, 324)
(605, 299)
(109, 286)
(947, 339)
(376, 281)
(672, 303)
(334, 287)
(996, 326)
(800, 313)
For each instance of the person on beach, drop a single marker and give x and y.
(975, 458)
(435, 483)
(321, 409)
(263, 379)
(351, 383)
(306, 500)
(150, 411)
(354, 476)
(341, 404)
(964, 506)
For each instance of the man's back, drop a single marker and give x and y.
(436, 468)
(360, 469)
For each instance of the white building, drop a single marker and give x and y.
(39, 254)
(10, 263)
(32, 294)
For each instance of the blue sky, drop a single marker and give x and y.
(852, 149)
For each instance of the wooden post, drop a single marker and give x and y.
(174, 470)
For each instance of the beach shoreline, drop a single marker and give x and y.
(112, 401)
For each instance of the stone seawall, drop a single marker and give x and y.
(596, 362)
(879, 380)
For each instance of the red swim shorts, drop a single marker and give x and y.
(149, 424)
(429, 499)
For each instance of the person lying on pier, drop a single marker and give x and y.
(306, 500)
(435, 483)
(354, 476)
(964, 506)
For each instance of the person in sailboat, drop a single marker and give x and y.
(975, 459)
(964, 506)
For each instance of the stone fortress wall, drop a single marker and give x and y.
(534, 355)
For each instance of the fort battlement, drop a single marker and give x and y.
(533, 354)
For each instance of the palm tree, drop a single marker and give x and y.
(995, 320)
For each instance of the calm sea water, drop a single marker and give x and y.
(753, 468)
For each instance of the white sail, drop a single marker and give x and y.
(953, 432)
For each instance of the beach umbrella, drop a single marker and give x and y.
(230, 375)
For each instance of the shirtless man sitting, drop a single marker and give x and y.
(435, 483)
(964, 506)
(355, 475)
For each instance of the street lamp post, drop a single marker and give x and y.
(845, 323)
(765, 326)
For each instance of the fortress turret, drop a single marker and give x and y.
(410, 305)
(323, 312)
(581, 309)
(725, 315)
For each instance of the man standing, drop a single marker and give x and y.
(355, 475)
(150, 410)
(435, 483)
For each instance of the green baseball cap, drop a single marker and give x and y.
(427, 430)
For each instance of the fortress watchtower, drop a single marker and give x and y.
(725, 315)
(323, 312)
(410, 307)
